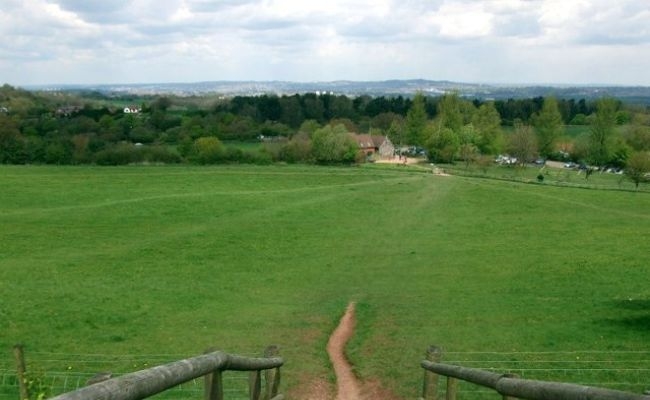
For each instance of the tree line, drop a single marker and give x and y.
(66, 128)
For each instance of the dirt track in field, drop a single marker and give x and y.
(348, 386)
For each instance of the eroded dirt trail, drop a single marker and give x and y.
(348, 387)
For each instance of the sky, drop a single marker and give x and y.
(162, 41)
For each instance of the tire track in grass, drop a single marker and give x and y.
(110, 203)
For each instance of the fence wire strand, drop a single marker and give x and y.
(622, 370)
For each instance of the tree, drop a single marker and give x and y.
(291, 111)
(638, 167)
(59, 152)
(396, 132)
(523, 143)
(340, 107)
(548, 126)
(161, 104)
(80, 153)
(12, 145)
(442, 143)
(449, 112)
(309, 126)
(313, 107)
(384, 120)
(487, 122)
(602, 130)
(468, 151)
(333, 145)
(637, 136)
(416, 120)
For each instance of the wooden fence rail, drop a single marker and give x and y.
(148, 382)
(509, 386)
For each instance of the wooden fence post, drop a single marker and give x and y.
(255, 384)
(214, 386)
(452, 388)
(271, 376)
(430, 387)
(19, 355)
(213, 383)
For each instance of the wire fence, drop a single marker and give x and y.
(560, 178)
(57, 373)
(621, 370)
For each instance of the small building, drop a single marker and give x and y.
(67, 111)
(132, 110)
(372, 145)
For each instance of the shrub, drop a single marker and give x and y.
(120, 154)
(161, 154)
(207, 150)
(298, 149)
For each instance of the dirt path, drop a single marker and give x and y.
(348, 387)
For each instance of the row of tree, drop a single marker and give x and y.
(45, 128)
(461, 130)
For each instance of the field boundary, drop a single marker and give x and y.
(148, 382)
(509, 385)
(548, 182)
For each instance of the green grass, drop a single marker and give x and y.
(143, 265)
(244, 146)
(574, 131)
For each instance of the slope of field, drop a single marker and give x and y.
(161, 263)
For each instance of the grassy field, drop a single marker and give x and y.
(122, 268)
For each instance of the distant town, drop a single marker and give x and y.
(629, 94)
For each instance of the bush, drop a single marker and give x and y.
(298, 149)
(161, 154)
(120, 154)
(235, 155)
(207, 150)
(58, 152)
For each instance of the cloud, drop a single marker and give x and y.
(469, 40)
(98, 11)
(462, 20)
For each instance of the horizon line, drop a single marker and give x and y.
(315, 82)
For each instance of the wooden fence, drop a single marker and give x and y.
(509, 386)
(148, 382)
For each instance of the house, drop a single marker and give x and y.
(67, 111)
(365, 143)
(384, 146)
(131, 110)
(371, 145)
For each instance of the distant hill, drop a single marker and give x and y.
(633, 94)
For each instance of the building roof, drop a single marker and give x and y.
(365, 141)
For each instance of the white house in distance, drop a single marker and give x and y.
(132, 110)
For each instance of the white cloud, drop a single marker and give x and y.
(463, 20)
(463, 40)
